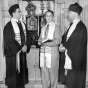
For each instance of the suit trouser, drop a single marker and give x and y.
(50, 75)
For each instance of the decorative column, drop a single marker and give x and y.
(59, 13)
(2, 59)
(56, 10)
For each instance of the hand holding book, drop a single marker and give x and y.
(46, 41)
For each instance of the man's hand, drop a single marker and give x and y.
(24, 48)
(62, 48)
(39, 42)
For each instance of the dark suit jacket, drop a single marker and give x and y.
(77, 51)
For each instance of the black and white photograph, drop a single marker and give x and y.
(43, 44)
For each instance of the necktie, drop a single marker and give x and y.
(68, 29)
(46, 31)
(70, 25)
(21, 33)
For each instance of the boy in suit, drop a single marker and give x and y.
(49, 40)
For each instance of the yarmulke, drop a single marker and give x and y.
(13, 8)
(75, 8)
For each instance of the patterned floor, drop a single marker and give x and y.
(38, 85)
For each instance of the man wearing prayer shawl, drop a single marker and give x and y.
(49, 40)
(16, 45)
(74, 51)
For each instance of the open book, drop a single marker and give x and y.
(47, 40)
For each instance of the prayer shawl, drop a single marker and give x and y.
(17, 37)
(68, 62)
(45, 53)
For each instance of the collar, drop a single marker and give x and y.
(76, 20)
(15, 19)
(50, 23)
